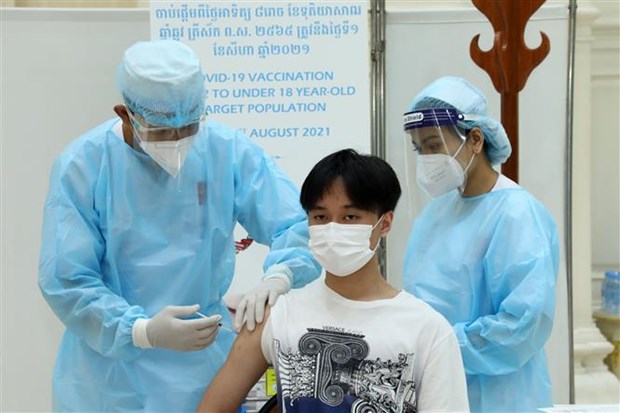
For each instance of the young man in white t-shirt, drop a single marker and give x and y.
(348, 342)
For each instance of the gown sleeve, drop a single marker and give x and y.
(521, 267)
(268, 208)
(70, 271)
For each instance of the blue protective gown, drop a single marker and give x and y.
(489, 265)
(122, 239)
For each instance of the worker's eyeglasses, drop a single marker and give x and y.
(164, 133)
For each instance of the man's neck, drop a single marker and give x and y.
(366, 284)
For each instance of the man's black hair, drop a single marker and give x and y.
(370, 182)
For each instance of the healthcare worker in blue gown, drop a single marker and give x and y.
(138, 238)
(484, 252)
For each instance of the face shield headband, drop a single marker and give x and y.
(437, 169)
(431, 117)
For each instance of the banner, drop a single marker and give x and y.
(293, 76)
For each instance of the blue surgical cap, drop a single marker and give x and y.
(162, 81)
(452, 92)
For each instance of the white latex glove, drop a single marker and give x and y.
(251, 309)
(167, 330)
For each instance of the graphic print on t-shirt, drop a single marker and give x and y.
(330, 373)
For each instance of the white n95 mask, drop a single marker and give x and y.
(438, 173)
(170, 155)
(342, 249)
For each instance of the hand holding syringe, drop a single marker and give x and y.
(219, 324)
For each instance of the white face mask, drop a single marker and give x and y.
(439, 173)
(170, 155)
(342, 249)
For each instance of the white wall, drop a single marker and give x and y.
(605, 137)
(57, 82)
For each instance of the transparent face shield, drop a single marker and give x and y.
(432, 144)
(167, 146)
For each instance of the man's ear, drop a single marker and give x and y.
(475, 139)
(122, 112)
(386, 223)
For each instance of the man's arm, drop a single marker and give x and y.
(521, 267)
(70, 272)
(443, 387)
(243, 368)
(267, 206)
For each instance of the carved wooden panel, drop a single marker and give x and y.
(509, 62)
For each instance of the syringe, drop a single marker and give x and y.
(223, 327)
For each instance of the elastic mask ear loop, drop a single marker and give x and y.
(373, 227)
(178, 180)
(462, 187)
(459, 150)
(136, 141)
(469, 164)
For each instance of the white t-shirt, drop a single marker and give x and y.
(333, 354)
